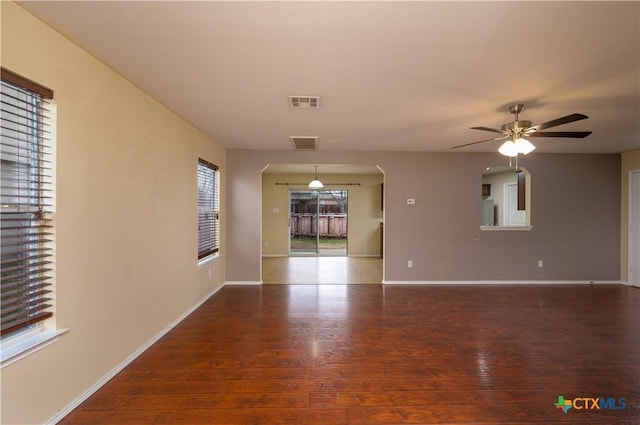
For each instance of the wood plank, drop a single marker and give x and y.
(254, 416)
(182, 401)
(470, 414)
(129, 417)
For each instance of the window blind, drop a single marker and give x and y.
(208, 209)
(26, 200)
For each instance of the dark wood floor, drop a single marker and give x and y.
(369, 354)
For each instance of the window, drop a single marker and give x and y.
(26, 204)
(208, 209)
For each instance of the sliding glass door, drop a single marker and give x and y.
(303, 222)
(318, 222)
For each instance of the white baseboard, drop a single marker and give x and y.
(95, 387)
(242, 283)
(502, 282)
(315, 255)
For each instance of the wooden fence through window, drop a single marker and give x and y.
(330, 225)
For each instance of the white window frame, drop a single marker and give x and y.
(208, 177)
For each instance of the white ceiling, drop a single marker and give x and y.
(405, 76)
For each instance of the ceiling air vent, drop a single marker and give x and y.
(304, 143)
(304, 102)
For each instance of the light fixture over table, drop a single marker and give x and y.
(315, 183)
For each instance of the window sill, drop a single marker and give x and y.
(501, 228)
(13, 351)
(207, 260)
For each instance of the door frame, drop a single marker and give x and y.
(633, 228)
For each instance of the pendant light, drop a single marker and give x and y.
(315, 183)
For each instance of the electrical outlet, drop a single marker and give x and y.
(540, 263)
(410, 263)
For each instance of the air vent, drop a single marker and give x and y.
(304, 102)
(304, 143)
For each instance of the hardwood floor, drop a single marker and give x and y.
(321, 270)
(370, 354)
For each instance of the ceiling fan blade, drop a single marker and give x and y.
(574, 134)
(480, 141)
(559, 121)
(486, 129)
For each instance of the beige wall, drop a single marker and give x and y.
(630, 161)
(126, 263)
(365, 213)
(575, 213)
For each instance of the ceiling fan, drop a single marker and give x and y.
(518, 129)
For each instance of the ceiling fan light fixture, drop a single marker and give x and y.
(519, 128)
(509, 149)
(524, 146)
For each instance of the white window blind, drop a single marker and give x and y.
(208, 209)
(26, 203)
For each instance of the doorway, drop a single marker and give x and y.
(634, 228)
(318, 222)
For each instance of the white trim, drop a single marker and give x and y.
(243, 282)
(13, 351)
(210, 259)
(106, 378)
(315, 255)
(630, 260)
(506, 227)
(503, 282)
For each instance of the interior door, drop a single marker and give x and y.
(513, 216)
